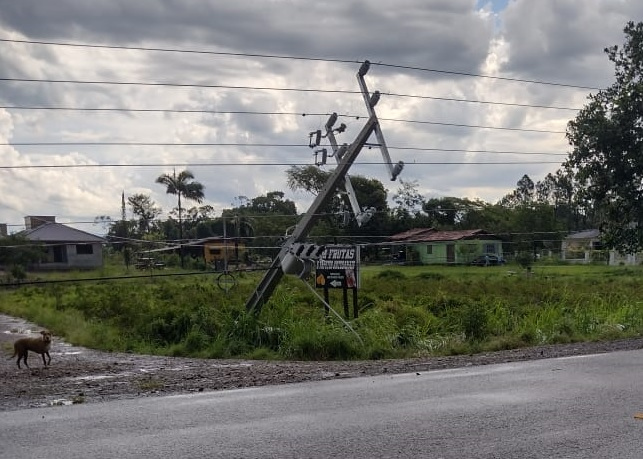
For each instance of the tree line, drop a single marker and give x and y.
(600, 185)
(534, 215)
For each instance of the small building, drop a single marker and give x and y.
(586, 247)
(430, 246)
(219, 253)
(581, 247)
(65, 247)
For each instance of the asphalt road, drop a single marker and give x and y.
(574, 407)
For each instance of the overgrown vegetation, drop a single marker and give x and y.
(404, 311)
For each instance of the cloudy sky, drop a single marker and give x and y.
(475, 94)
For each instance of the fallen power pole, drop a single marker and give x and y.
(345, 156)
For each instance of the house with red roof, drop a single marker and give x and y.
(429, 246)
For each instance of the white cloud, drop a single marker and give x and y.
(549, 40)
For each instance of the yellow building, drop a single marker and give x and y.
(221, 252)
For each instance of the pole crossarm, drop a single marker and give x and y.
(270, 280)
(360, 216)
(370, 101)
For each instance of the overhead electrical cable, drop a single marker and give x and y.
(236, 144)
(270, 88)
(248, 112)
(419, 163)
(264, 145)
(300, 58)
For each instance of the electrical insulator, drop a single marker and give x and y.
(364, 68)
(324, 156)
(317, 135)
(397, 169)
(375, 98)
(331, 121)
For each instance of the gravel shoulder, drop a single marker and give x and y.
(79, 375)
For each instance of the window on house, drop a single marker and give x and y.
(489, 248)
(429, 250)
(84, 249)
(60, 253)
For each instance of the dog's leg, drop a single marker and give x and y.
(48, 358)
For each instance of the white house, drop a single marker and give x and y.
(65, 247)
(586, 246)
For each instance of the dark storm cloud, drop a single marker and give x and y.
(408, 32)
(562, 40)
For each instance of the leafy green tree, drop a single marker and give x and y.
(120, 232)
(607, 140)
(184, 186)
(263, 220)
(144, 207)
(369, 193)
(272, 203)
(524, 193)
(408, 199)
(306, 178)
(17, 253)
(198, 222)
(450, 212)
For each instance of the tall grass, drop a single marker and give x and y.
(404, 311)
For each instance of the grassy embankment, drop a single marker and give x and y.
(404, 311)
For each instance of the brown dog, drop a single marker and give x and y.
(40, 346)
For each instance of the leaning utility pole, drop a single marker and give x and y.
(345, 155)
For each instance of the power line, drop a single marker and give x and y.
(497, 152)
(270, 88)
(164, 110)
(248, 112)
(491, 77)
(300, 58)
(153, 144)
(263, 145)
(241, 212)
(419, 163)
(174, 243)
(474, 126)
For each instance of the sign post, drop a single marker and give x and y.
(338, 267)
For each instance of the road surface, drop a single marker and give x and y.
(574, 407)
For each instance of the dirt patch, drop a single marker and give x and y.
(79, 375)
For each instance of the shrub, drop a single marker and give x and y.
(313, 341)
(390, 274)
(525, 259)
(196, 341)
(475, 323)
(428, 275)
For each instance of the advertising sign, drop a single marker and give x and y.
(338, 267)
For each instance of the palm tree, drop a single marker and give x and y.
(182, 185)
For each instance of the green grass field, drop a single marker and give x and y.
(403, 311)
